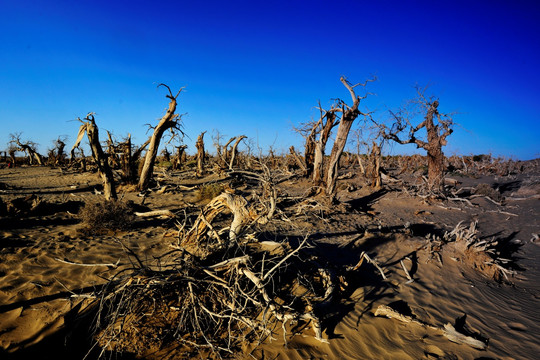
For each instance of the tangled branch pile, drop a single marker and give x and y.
(209, 296)
(491, 257)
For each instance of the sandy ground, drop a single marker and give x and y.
(36, 282)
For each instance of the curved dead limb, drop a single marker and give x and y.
(169, 121)
(90, 128)
(198, 240)
(28, 147)
(234, 150)
(448, 330)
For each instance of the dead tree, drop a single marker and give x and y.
(374, 172)
(326, 123)
(112, 151)
(169, 121)
(201, 155)
(57, 156)
(90, 128)
(348, 115)
(316, 135)
(234, 150)
(11, 151)
(298, 160)
(437, 126)
(180, 157)
(28, 147)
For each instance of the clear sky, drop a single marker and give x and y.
(258, 68)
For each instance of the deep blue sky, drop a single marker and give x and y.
(258, 68)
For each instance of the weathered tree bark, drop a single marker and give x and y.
(297, 158)
(112, 150)
(320, 146)
(309, 152)
(375, 166)
(168, 121)
(360, 164)
(126, 160)
(350, 113)
(12, 156)
(225, 153)
(180, 157)
(434, 149)
(200, 154)
(234, 150)
(89, 126)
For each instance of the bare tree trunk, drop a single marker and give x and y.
(127, 169)
(309, 155)
(362, 169)
(200, 153)
(375, 164)
(168, 121)
(234, 150)
(434, 150)
(298, 159)
(435, 158)
(180, 157)
(320, 146)
(12, 157)
(225, 153)
(100, 158)
(350, 113)
(337, 150)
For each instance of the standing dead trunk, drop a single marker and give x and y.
(126, 160)
(320, 146)
(89, 126)
(309, 154)
(360, 164)
(435, 158)
(297, 158)
(350, 113)
(234, 150)
(375, 166)
(12, 156)
(200, 154)
(337, 151)
(168, 121)
(180, 157)
(226, 153)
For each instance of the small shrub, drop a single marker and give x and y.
(165, 164)
(209, 191)
(106, 215)
(486, 190)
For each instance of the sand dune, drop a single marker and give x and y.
(41, 257)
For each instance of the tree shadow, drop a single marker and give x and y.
(363, 204)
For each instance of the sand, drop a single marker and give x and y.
(36, 278)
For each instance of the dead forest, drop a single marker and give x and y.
(244, 259)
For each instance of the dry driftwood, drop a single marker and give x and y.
(448, 330)
(153, 213)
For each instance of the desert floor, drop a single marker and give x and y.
(38, 243)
